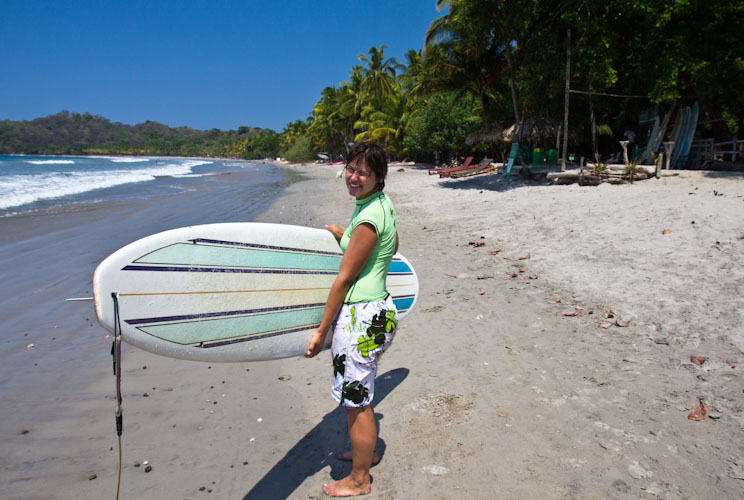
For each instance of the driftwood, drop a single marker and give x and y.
(488, 169)
(614, 174)
(484, 164)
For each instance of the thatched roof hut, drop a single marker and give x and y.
(533, 129)
(489, 133)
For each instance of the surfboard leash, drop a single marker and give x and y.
(116, 354)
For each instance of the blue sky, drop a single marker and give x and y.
(203, 64)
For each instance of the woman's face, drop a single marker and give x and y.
(360, 180)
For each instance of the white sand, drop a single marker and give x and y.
(483, 395)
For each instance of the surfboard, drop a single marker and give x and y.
(229, 292)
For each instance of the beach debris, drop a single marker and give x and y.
(526, 257)
(494, 252)
(716, 193)
(661, 342)
(423, 227)
(148, 468)
(146, 395)
(476, 244)
(636, 471)
(24, 432)
(435, 470)
(92, 477)
(577, 310)
(666, 231)
(30, 346)
(522, 269)
(699, 413)
(481, 292)
(508, 258)
(284, 378)
(259, 419)
(622, 322)
(607, 313)
(401, 169)
(698, 360)
(512, 274)
(605, 324)
(531, 277)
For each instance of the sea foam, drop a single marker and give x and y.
(51, 162)
(17, 190)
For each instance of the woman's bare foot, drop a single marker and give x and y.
(346, 456)
(347, 487)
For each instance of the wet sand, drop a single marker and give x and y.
(489, 391)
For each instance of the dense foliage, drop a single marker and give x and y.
(497, 62)
(74, 133)
(486, 63)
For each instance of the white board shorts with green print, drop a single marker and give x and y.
(361, 334)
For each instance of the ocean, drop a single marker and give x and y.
(52, 184)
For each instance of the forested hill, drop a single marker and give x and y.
(75, 134)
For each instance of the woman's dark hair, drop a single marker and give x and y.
(375, 158)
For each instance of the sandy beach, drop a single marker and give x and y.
(507, 381)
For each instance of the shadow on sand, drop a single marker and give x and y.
(492, 182)
(319, 447)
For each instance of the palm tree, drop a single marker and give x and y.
(379, 80)
(325, 131)
(475, 42)
(390, 125)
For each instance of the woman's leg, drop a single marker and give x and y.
(363, 437)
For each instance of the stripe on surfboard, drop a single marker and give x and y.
(194, 269)
(404, 300)
(258, 336)
(225, 314)
(264, 247)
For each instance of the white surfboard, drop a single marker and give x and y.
(228, 292)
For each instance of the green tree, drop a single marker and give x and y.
(440, 127)
(378, 78)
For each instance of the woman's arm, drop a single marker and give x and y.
(360, 247)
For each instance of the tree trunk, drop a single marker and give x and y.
(593, 118)
(517, 116)
(565, 106)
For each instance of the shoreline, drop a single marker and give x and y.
(585, 411)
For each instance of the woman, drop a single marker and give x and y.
(360, 310)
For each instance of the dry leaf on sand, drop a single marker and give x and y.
(698, 360)
(575, 312)
(621, 322)
(699, 413)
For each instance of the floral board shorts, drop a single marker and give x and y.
(361, 334)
